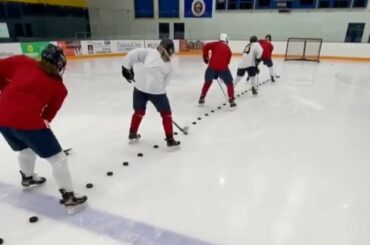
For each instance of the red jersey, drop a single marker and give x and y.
(221, 55)
(3, 83)
(267, 49)
(30, 97)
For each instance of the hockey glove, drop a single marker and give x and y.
(128, 74)
(258, 61)
(205, 59)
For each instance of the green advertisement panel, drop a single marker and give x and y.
(33, 49)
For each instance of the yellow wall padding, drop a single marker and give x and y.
(71, 3)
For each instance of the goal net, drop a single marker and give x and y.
(306, 49)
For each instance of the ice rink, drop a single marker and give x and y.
(288, 167)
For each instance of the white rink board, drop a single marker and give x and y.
(89, 47)
(155, 43)
(353, 50)
(9, 49)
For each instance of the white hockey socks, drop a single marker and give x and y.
(237, 80)
(253, 81)
(61, 171)
(271, 71)
(27, 159)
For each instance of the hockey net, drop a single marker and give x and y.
(306, 49)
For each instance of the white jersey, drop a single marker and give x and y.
(152, 74)
(250, 54)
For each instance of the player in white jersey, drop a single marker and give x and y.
(251, 57)
(153, 72)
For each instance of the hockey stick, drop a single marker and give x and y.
(184, 130)
(222, 89)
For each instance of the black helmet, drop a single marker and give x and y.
(268, 36)
(253, 39)
(55, 56)
(168, 45)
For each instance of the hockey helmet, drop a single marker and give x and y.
(224, 37)
(253, 39)
(55, 56)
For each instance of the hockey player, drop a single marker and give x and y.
(152, 74)
(218, 67)
(266, 55)
(28, 103)
(251, 57)
(3, 83)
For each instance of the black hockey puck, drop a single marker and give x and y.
(34, 219)
(110, 173)
(140, 154)
(1, 241)
(175, 133)
(224, 104)
(212, 111)
(206, 114)
(89, 186)
(125, 163)
(219, 107)
(194, 123)
(199, 118)
(155, 146)
(238, 95)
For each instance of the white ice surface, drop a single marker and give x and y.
(290, 166)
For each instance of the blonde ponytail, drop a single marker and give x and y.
(50, 69)
(164, 54)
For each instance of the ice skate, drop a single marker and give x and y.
(72, 203)
(254, 91)
(201, 100)
(133, 137)
(232, 103)
(31, 181)
(171, 142)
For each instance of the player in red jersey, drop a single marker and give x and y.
(218, 67)
(30, 99)
(267, 54)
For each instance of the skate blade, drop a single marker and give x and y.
(76, 209)
(172, 148)
(32, 187)
(133, 142)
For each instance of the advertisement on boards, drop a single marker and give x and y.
(33, 49)
(155, 44)
(70, 48)
(96, 47)
(124, 46)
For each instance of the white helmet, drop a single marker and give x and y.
(224, 37)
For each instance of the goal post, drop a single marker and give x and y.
(304, 49)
